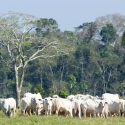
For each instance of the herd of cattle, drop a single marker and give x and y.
(74, 105)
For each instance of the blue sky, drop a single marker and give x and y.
(68, 13)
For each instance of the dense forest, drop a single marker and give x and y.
(36, 56)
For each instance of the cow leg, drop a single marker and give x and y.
(79, 112)
(94, 114)
(57, 111)
(84, 113)
(50, 111)
(71, 113)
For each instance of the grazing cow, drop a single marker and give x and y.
(9, 106)
(63, 105)
(91, 107)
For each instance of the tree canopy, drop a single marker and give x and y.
(36, 56)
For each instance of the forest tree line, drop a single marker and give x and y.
(36, 56)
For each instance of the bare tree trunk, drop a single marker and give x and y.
(41, 80)
(19, 83)
(18, 92)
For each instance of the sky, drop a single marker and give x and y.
(68, 13)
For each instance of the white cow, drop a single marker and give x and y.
(114, 108)
(31, 103)
(76, 105)
(9, 106)
(109, 96)
(71, 97)
(78, 96)
(84, 97)
(110, 108)
(36, 103)
(55, 96)
(63, 105)
(122, 107)
(105, 109)
(26, 105)
(113, 103)
(91, 107)
(48, 104)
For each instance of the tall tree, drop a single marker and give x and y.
(46, 26)
(108, 33)
(18, 38)
(87, 30)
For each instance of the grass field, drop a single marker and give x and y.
(54, 120)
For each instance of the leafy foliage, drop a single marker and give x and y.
(108, 33)
(63, 94)
(123, 39)
(83, 64)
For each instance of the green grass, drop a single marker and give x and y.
(60, 120)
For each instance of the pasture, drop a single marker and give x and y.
(58, 120)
